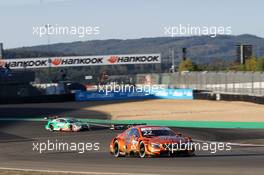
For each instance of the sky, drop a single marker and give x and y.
(122, 19)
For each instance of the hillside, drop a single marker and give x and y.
(214, 53)
(202, 49)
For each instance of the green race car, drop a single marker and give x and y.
(66, 124)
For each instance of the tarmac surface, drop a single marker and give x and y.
(18, 138)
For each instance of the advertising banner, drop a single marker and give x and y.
(25, 63)
(161, 94)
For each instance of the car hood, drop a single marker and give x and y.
(167, 139)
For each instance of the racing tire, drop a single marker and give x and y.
(132, 154)
(116, 152)
(89, 128)
(51, 127)
(142, 150)
(71, 128)
(191, 153)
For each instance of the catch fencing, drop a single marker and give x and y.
(246, 83)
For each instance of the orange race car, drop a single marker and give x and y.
(151, 141)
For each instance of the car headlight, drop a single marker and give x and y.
(155, 145)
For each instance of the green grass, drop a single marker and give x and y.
(171, 123)
(192, 124)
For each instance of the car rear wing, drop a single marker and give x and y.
(124, 126)
(114, 126)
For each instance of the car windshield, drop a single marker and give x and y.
(157, 132)
(73, 120)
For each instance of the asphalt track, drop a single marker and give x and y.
(17, 138)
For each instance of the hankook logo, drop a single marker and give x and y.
(113, 59)
(56, 61)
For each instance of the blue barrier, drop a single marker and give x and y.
(162, 93)
(174, 94)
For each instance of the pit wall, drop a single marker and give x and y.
(227, 97)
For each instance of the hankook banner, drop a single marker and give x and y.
(25, 63)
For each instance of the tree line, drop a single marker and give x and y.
(251, 64)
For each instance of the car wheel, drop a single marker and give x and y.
(191, 152)
(116, 149)
(142, 150)
(71, 128)
(132, 154)
(89, 128)
(51, 127)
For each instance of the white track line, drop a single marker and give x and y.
(71, 172)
